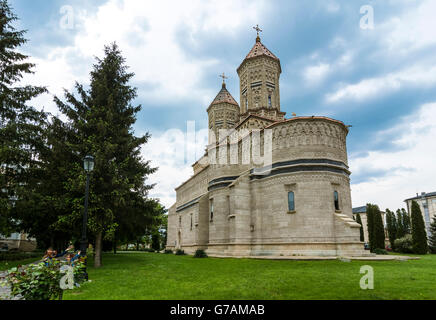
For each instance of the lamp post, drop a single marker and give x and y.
(88, 165)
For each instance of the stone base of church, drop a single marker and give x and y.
(325, 249)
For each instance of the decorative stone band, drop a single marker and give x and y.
(221, 182)
(300, 165)
(188, 204)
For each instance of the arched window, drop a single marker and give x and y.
(336, 198)
(211, 210)
(291, 201)
(269, 101)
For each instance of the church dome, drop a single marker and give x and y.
(224, 96)
(259, 50)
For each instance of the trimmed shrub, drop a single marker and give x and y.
(380, 251)
(200, 254)
(180, 252)
(404, 244)
(168, 251)
(419, 234)
(14, 256)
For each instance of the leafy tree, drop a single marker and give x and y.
(375, 227)
(432, 239)
(21, 125)
(391, 223)
(359, 221)
(102, 119)
(419, 235)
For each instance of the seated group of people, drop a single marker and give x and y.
(69, 255)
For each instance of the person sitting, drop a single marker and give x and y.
(52, 254)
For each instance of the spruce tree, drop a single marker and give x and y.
(419, 235)
(432, 239)
(21, 125)
(359, 221)
(102, 118)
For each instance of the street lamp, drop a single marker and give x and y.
(88, 165)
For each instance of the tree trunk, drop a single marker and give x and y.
(115, 246)
(98, 249)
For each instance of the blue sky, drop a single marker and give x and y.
(381, 80)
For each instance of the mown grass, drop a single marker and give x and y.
(6, 265)
(149, 276)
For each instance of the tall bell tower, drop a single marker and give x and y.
(259, 78)
(223, 113)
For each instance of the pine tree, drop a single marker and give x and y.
(391, 223)
(432, 239)
(21, 125)
(102, 118)
(419, 235)
(359, 221)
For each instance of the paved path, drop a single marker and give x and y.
(312, 258)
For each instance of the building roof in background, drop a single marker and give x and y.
(359, 210)
(427, 195)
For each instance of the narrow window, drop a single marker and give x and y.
(246, 104)
(191, 222)
(291, 201)
(180, 221)
(269, 101)
(211, 210)
(336, 197)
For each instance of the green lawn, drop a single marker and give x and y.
(164, 277)
(6, 265)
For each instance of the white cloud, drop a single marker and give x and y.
(412, 30)
(173, 152)
(416, 138)
(148, 33)
(315, 74)
(416, 76)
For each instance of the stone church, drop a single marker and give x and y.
(296, 203)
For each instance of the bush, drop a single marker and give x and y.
(180, 252)
(380, 251)
(168, 251)
(404, 245)
(43, 281)
(14, 256)
(200, 254)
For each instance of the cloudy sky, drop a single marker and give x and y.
(379, 78)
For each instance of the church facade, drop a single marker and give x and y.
(267, 185)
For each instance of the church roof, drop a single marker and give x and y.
(259, 50)
(224, 96)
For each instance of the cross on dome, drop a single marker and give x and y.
(257, 30)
